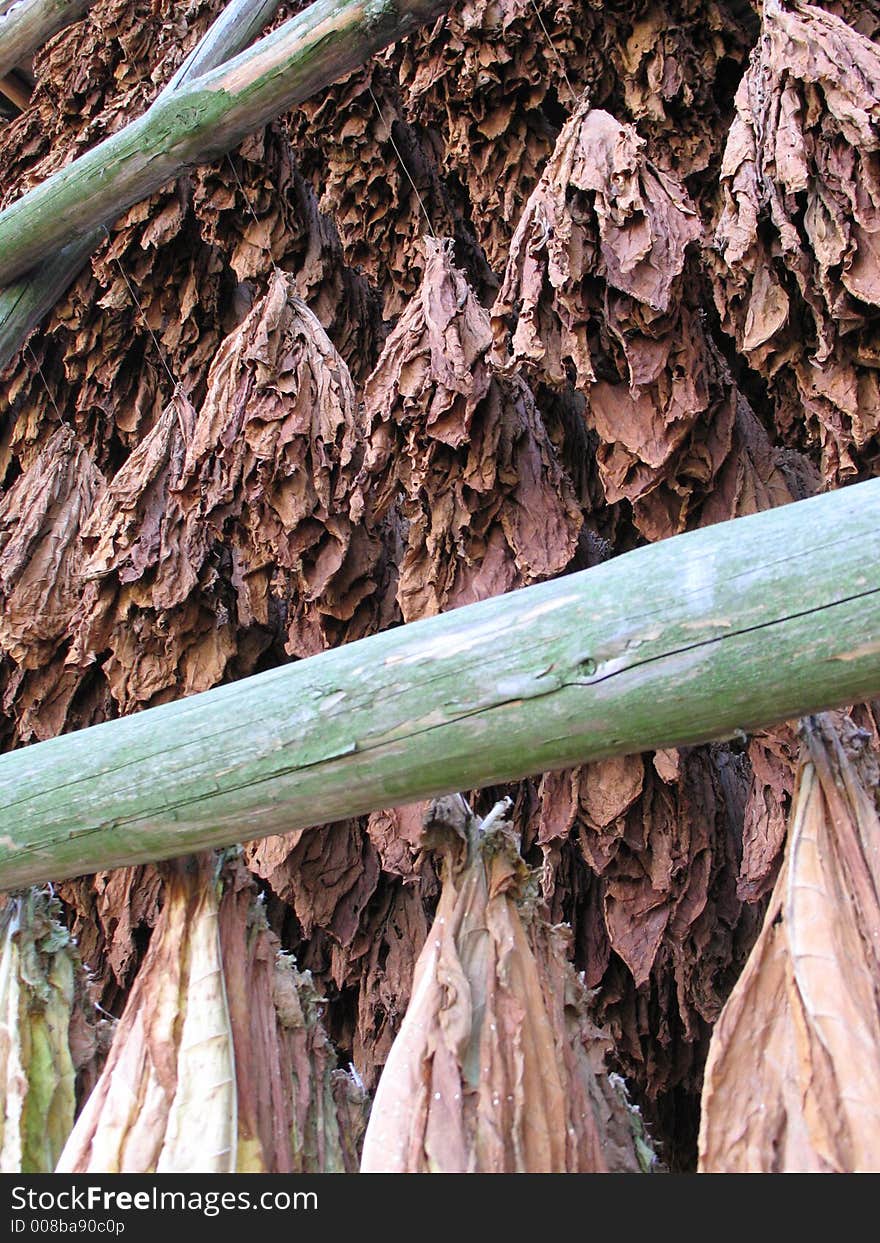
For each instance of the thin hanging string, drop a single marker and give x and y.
(49, 393)
(554, 50)
(248, 203)
(159, 351)
(399, 155)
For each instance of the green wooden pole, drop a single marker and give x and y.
(26, 25)
(733, 627)
(204, 118)
(24, 303)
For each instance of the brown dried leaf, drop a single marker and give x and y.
(795, 259)
(41, 557)
(465, 453)
(150, 602)
(773, 757)
(111, 913)
(297, 1113)
(600, 210)
(328, 875)
(272, 465)
(598, 291)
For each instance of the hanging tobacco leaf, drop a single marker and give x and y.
(464, 452)
(219, 1063)
(271, 468)
(598, 291)
(793, 1077)
(165, 1101)
(496, 1067)
(297, 1111)
(152, 609)
(795, 248)
(42, 518)
(375, 176)
(47, 1033)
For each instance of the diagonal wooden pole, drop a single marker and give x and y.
(204, 118)
(24, 303)
(730, 628)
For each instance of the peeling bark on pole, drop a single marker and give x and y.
(24, 303)
(733, 627)
(25, 25)
(205, 118)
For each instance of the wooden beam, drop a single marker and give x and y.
(730, 628)
(205, 118)
(24, 303)
(26, 25)
(16, 90)
(234, 30)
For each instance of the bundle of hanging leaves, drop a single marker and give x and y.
(530, 289)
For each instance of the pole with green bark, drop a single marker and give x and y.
(204, 118)
(730, 628)
(24, 303)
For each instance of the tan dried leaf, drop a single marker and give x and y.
(45, 1021)
(166, 1099)
(793, 1077)
(492, 1071)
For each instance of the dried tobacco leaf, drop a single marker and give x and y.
(487, 83)
(166, 1100)
(486, 502)
(220, 1062)
(297, 1112)
(152, 609)
(674, 63)
(598, 291)
(328, 1105)
(271, 467)
(42, 517)
(110, 915)
(773, 758)
(225, 520)
(793, 1077)
(496, 1067)
(600, 211)
(281, 225)
(328, 875)
(377, 178)
(795, 250)
(44, 1033)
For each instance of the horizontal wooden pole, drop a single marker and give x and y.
(25, 25)
(730, 628)
(204, 118)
